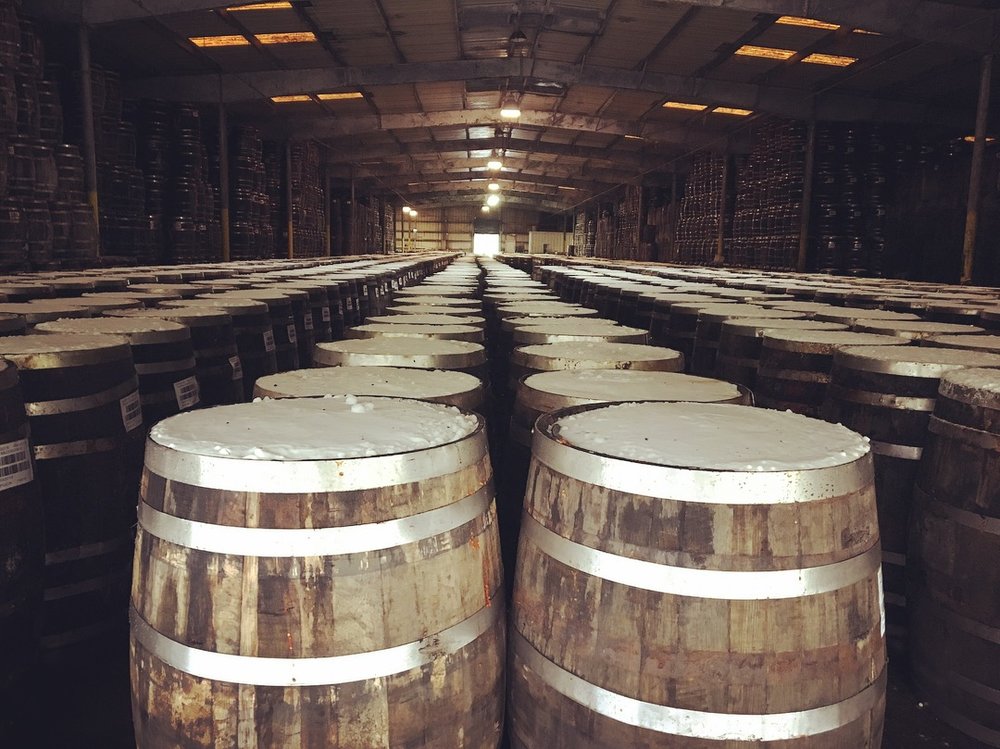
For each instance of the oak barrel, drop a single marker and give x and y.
(887, 393)
(708, 331)
(82, 401)
(304, 321)
(681, 585)
(402, 329)
(953, 580)
(283, 327)
(316, 573)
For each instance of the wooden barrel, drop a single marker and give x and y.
(146, 298)
(316, 321)
(739, 344)
(661, 561)
(303, 320)
(22, 544)
(414, 318)
(434, 309)
(887, 393)
(101, 302)
(916, 330)
(953, 576)
(581, 329)
(435, 290)
(216, 356)
(958, 313)
(83, 408)
(382, 502)
(467, 333)
(853, 315)
(682, 323)
(795, 365)
(989, 343)
(708, 331)
(418, 353)
(437, 386)
(989, 318)
(11, 324)
(163, 356)
(572, 355)
(283, 327)
(334, 313)
(42, 310)
(254, 334)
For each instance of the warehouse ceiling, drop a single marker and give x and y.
(407, 94)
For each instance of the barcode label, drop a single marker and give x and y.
(326, 314)
(15, 464)
(269, 340)
(307, 321)
(131, 411)
(187, 392)
(237, 365)
(292, 338)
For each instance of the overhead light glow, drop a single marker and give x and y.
(510, 113)
(234, 40)
(341, 96)
(493, 186)
(493, 201)
(291, 98)
(837, 61)
(494, 165)
(287, 37)
(867, 33)
(768, 53)
(485, 209)
(972, 139)
(407, 209)
(285, 5)
(733, 111)
(413, 214)
(685, 105)
(634, 137)
(565, 187)
(811, 23)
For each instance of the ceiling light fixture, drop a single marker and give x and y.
(510, 112)
(413, 213)
(494, 164)
(837, 61)
(767, 53)
(291, 98)
(485, 209)
(493, 186)
(284, 5)
(811, 23)
(685, 105)
(972, 139)
(733, 111)
(234, 40)
(407, 210)
(340, 96)
(493, 201)
(633, 137)
(286, 37)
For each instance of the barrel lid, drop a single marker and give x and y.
(471, 304)
(453, 332)
(912, 361)
(713, 315)
(807, 307)
(720, 310)
(137, 331)
(545, 309)
(146, 297)
(271, 298)
(419, 319)
(825, 341)
(430, 309)
(579, 329)
(190, 316)
(315, 291)
(580, 386)
(40, 310)
(914, 329)
(16, 291)
(72, 283)
(100, 302)
(220, 301)
(296, 295)
(757, 326)
(173, 289)
(860, 315)
(438, 385)
(435, 290)
(708, 437)
(314, 429)
(989, 343)
(597, 355)
(976, 386)
(51, 351)
(424, 353)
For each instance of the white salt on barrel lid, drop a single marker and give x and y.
(403, 346)
(977, 385)
(398, 382)
(580, 353)
(334, 428)
(711, 437)
(632, 385)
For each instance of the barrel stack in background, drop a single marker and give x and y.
(416, 658)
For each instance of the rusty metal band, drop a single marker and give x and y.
(795, 375)
(701, 486)
(702, 583)
(969, 435)
(883, 400)
(756, 728)
(301, 476)
(165, 367)
(87, 551)
(78, 447)
(892, 450)
(83, 402)
(318, 671)
(310, 542)
(973, 520)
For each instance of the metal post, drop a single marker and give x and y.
(89, 142)
(807, 192)
(224, 183)
(288, 198)
(354, 216)
(720, 247)
(976, 172)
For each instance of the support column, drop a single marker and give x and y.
(976, 173)
(288, 199)
(672, 217)
(720, 243)
(224, 183)
(89, 142)
(354, 217)
(807, 192)
(328, 206)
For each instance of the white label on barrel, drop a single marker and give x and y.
(269, 340)
(326, 314)
(881, 600)
(292, 338)
(349, 302)
(15, 464)
(187, 392)
(307, 321)
(131, 411)
(237, 365)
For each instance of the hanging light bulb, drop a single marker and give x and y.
(493, 200)
(493, 186)
(485, 209)
(407, 209)
(494, 164)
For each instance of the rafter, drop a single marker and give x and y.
(432, 200)
(505, 178)
(515, 167)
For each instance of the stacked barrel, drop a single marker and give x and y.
(251, 232)
(194, 231)
(308, 209)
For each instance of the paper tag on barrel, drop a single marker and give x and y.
(237, 365)
(187, 392)
(15, 464)
(307, 321)
(131, 411)
(292, 338)
(269, 340)
(326, 314)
